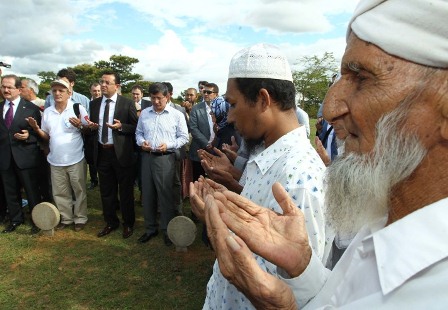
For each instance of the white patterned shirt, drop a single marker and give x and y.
(294, 163)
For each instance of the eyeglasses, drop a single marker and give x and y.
(9, 87)
(208, 92)
(106, 82)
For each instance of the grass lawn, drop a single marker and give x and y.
(77, 270)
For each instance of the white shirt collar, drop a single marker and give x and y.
(397, 260)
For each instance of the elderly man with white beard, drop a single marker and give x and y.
(390, 183)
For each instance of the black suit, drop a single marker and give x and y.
(19, 160)
(115, 164)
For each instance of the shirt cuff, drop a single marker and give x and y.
(309, 283)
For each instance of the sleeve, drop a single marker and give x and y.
(84, 115)
(139, 131)
(182, 133)
(195, 132)
(309, 283)
(128, 126)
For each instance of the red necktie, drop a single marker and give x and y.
(9, 116)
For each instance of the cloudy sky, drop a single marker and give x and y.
(175, 40)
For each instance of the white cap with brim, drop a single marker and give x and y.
(60, 82)
(262, 61)
(415, 30)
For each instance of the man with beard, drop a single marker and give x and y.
(261, 95)
(390, 184)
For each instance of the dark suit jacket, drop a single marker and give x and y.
(25, 153)
(145, 104)
(199, 129)
(126, 113)
(323, 136)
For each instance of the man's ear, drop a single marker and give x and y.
(265, 99)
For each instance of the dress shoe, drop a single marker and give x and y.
(93, 184)
(34, 230)
(11, 227)
(79, 226)
(61, 226)
(147, 236)
(106, 230)
(167, 240)
(127, 232)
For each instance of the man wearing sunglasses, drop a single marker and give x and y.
(201, 127)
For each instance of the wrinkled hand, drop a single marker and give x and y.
(198, 191)
(22, 135)
(33, 123)
(238, 265)
(322, 151)
(280, 238)
(116, 125)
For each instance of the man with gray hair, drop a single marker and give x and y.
(261, 95)
(390, 184)
(30, 90)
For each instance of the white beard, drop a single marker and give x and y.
(358, 186)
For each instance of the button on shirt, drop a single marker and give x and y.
(294, 163)
(110, 139)
(401, 266)
(66, 144)
(168, 126)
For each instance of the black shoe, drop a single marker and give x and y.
(127, 232)
(146, 237)
(167, 240)
(93, 184)
(106, 230)
(11, 227)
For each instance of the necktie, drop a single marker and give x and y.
(104, 131)
(9, 116)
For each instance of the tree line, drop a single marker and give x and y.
(311, 79)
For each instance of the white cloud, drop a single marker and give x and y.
(190, 42)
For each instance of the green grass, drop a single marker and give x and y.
(77, 270)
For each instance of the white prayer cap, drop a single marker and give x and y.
(263, 61)
(60, 82)
(416, 30)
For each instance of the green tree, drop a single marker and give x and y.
(46, 77)
(86, 74)
(123, 65)
(312, 80)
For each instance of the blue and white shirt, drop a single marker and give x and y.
(293, 162)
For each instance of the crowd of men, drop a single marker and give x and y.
(125, 142)
(358, 223)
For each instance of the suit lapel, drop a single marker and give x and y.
(2, 106)
(19, 112)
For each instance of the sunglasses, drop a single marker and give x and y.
(208, 92)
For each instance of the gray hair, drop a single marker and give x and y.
(33, 85)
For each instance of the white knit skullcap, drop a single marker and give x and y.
(260, 61)
(416, 30)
